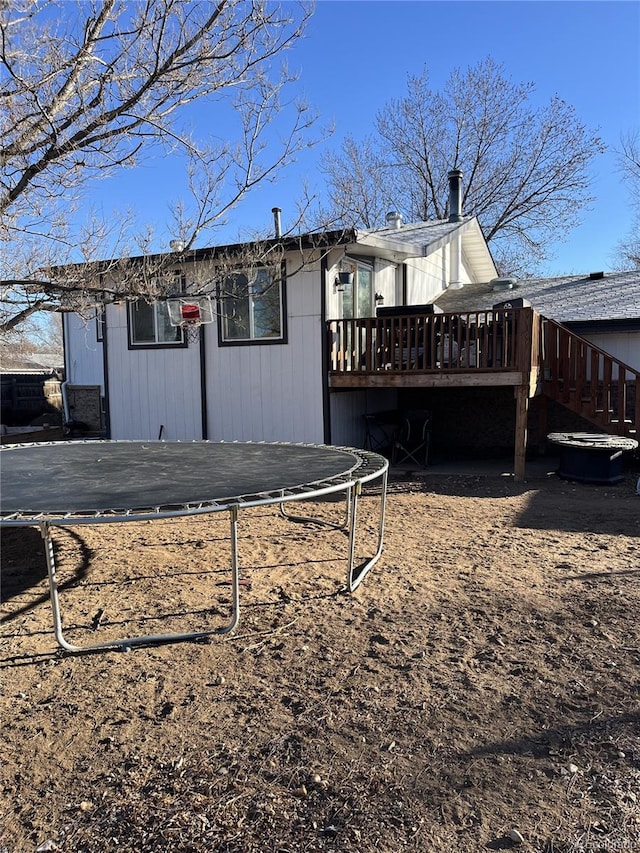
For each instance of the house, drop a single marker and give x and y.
(347, 323)
(265, 380)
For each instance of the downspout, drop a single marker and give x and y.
(63, 386)
(203, 385)
(324, 352)
(65, 403)
(455, 252)
(105, 373)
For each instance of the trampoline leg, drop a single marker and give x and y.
(235, 575)
(340, 525)
(45, 532)
(154, 639)
(355, 575)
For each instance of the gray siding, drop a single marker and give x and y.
(84, 352)
(271, 392)
(348, 428)
(151, 388)
(625, 346)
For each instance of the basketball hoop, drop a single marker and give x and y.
(190, 313)
(191, 330)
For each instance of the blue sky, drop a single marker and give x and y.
(356, 55)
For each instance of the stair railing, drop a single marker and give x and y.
(588, 380)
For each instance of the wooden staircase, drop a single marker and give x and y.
(589, 381)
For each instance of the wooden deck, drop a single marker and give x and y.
(508, 347)
(435, 350)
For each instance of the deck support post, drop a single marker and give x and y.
(522, 409)
(543, 420)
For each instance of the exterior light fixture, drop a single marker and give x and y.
(344, 277)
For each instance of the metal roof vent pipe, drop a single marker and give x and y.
(455, 195)
(394, 220)
(277, 224)
(502, 283)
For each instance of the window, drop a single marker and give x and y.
(358, 298)
(149, 326)
(253, 308)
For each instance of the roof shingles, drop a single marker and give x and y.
(565, 299)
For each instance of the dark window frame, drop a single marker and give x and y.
(253, 342)
(178, 287)
(354, 296)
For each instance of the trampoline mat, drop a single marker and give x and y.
(88, 477)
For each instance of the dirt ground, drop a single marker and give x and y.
(479, 691)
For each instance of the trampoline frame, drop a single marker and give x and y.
(369, 467)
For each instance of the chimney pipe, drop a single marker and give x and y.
(455, 195)
(276, 221)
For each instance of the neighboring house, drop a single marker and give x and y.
(302, 358)
(32, 362)
(30, 386)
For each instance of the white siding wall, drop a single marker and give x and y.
(334, 297)
(465, 267)
(151, 388)
(385, 280)
(624, 346)
(428, 277)
(347, 422)
(271, 392)
(83, 351)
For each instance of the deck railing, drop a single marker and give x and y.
(589, 381)
(495, 340)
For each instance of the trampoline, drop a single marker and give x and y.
(94, 482)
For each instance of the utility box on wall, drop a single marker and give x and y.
(84, 407)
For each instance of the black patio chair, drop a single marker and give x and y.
(381, 429)
(413, 439)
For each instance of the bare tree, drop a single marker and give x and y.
(93, 86)
(628, 250)
(525, 167)
(360, 183)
